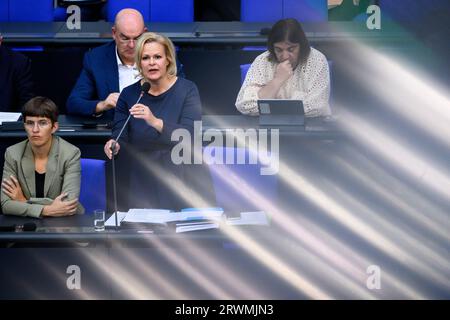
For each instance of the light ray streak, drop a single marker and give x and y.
(431, 257)
(294, 229)
(359, 227)
(401, 204)
(428, 105)
(299, 281)
(159, 279)
(406, 160)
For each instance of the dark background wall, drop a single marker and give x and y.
(217, 10)
(216, 70)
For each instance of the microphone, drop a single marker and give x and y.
(144, 89)
(29, 226)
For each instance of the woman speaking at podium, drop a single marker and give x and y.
(170, 103)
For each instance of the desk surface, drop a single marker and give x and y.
(72, 126)
(81, 228)
(195, 32)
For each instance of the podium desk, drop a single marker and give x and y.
(70, 230)
(210, 264)
(335, 194)
(241, 263)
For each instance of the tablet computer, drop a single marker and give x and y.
(281, 112)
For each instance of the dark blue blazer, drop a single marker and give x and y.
(16, 85)
(99, 78)
(178, 107)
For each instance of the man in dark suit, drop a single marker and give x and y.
(108, 69)
(16, 85)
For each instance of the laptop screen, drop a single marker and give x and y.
(281, 112)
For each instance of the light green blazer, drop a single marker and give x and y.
(63, 174)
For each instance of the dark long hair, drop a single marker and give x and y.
(292, 31)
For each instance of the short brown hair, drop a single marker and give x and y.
(169, 49)
(292, 31)
(40, 107)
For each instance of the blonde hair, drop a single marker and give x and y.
(169, 49)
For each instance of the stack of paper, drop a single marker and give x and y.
(194, 226)
(9, 116)
(250, 218)
(148, 216)
(198, 218)
(111, 222)
(189, 214)
(139, 216)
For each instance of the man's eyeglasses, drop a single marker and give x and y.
(41, 124)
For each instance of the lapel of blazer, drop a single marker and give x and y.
(111, 68)
(28, 168)
(52, 165)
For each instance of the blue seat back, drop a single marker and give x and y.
(60, 14)
(411, 11)
(261, 10)
(114, 6)
(306, 10)
(244, 69)
(232, 180)
(274, 10)
(154, 10)
(93, 185)
(4, 10)
(31, 10)
(172, 10)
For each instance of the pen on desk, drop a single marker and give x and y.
(66, 130)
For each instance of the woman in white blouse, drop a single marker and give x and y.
(289, 69)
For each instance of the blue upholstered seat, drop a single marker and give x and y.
(229, 182)
(273, 10)
(261, 10)
(31, 10)
(114, 6)
(93, 185)
(154, 10)
(172, 10)
(4, 10)
(244, 69)
(306, 10)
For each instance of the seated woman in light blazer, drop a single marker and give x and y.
(41, 175)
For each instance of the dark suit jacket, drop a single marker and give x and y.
(63, 174)
(16, 85)
(99, 78)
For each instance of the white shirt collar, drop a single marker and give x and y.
(120, 63)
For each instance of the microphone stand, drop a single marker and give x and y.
(113, 149)
(144, 89)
